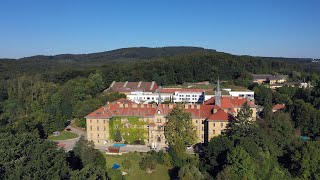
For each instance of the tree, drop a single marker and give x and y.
(118, 136)
(215, 154)
(148, 163)
(190, 172)
(306, 161)
(267, 107)
(243, 122)
(179, 132)
(88, 154)
(126, 164)
(89, 172)
(240, 165)
(25, 156)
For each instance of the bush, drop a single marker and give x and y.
(115, 174)
(148, 164)
(126, 164)
(81, 122)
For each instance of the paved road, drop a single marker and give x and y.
(70, 143)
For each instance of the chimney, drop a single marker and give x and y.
(139, 84)
(112, 83)
(198, 106)
(186, 106)
(125, 84)
(152, 84)
(170, 106)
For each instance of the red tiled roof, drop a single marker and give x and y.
(220, 115)
(228, 102)
(124, 107)
(278, 106)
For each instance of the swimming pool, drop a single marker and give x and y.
(119, 145)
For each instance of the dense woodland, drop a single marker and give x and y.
(39, 94)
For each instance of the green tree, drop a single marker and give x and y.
(179, 132)
(306, 161)
(88, 154)
(267, 107)
(118, 136)
(240, 165)
(243, 122)
(90, 172)
(190, 172)
(148, 163)
(126, 164)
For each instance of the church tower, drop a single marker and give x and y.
(218, 94)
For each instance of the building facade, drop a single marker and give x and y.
(146, 122)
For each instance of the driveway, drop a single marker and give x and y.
(70, 143)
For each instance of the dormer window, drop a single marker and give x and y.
(159, 111)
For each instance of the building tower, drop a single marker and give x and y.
(218, 94)
(159, 95)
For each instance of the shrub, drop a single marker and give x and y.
(126, 164)
(148, 164)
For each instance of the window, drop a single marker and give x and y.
(158, 120)
(214, 124)
(221, 124)
(97, 128)
(90, 128)
(214, 132)
(202, 136)
(90, 120)
(98, 135)
(104, 128)
(197, 121)
(97, 120)
(104, 121)
(202, 128)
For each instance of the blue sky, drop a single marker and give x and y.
(287, 28)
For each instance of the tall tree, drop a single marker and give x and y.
(179, 132)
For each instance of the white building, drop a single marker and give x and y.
(172, 95)
(176, 95)
(243, 94)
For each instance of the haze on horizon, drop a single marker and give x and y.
(287, 28)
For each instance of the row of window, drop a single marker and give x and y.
(104, 121)
(98, 128)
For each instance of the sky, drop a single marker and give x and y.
(286, 28)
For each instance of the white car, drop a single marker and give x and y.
(189, 147)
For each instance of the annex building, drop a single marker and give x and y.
(147, 122)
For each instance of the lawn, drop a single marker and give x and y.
(134, 173)
(63, 136)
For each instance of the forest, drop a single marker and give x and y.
(38, 95)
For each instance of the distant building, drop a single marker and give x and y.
(269, 79)
(128, 87)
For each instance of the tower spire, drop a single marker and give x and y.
(218, 94)
(159, 95)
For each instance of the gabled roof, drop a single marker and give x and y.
(278, 107)
(133, 86)
(220, 115)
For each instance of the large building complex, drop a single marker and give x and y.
(147, 121)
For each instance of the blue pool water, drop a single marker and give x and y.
(119, 145)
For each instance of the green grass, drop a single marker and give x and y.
(63, 136)
(134, 173)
